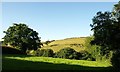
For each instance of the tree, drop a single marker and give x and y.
(22, 37)
(115, 60)
(106, 31)
(45, 52)
(86, 56)
(106, 28)
(94, 50)
(116, 10)
(67, 53)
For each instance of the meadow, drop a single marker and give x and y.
(31, 62)
(23, 62)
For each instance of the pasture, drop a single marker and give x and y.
(30, 62)
(76, 43)
(23, 62)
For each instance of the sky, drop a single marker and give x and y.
(53, 20)
(59, 0)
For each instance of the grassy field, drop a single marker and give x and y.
(25, 62)
(75, 43)
(22, 62)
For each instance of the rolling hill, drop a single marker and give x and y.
(77, 43)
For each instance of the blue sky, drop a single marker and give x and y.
(60, 0)
(53, 20)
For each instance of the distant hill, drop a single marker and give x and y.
(76, 43)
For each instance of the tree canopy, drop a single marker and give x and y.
(106, 28)
(22, 37)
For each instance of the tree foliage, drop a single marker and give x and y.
(106, 31)
(94, 50)
(116, 10)
(106, 28)
(22, 37)
(45, 52)
(67, 53)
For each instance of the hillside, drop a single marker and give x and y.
(10, 50)
(76, 43)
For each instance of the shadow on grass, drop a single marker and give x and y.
(16, 55)
(20, 65)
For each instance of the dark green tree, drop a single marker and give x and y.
(67, 53)
(22, 37)
(115, 60)
(106, 31)
(45, 52)
(106, 28)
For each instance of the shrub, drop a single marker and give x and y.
(48, 53)
(39, 52)
(45, 52)
(86, 56)
(97, 52)
(67, 53)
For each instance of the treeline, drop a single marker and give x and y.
(66, 53)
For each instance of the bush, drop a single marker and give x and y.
(45, 52)
(39, 52)
(67, 53)
(97, 52)
(86, 56)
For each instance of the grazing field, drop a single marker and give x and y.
(23, 62)
(75, 43)
(28, 62)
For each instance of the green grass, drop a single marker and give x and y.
(69, 41)
(22, 62)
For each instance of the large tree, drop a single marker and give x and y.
(106, 28)
(22, 37)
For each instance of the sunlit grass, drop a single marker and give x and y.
(23, 62)
(69, 41)
(63, 61)
(59, 44)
